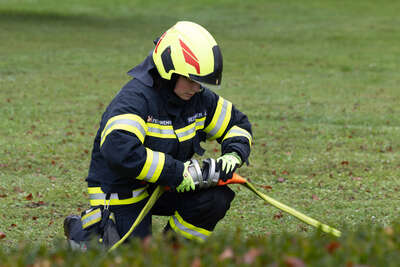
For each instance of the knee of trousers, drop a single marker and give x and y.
(223, 197)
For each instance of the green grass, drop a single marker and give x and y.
(318, 79)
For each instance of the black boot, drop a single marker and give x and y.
(74, 233)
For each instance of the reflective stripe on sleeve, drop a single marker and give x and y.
(160, 131)
(91, 218)
(220, 119)
(128, 122)
(188, 230)
(153, 166)
(98, 197)
(237, 131)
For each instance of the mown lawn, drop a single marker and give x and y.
(318, 79)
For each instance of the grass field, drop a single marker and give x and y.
(318, 80)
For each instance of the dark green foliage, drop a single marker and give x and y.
(366, 246)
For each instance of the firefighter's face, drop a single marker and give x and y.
(186, 88)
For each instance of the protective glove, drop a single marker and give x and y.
(187, 183)
(227, 165)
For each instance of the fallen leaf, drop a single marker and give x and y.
(293, 262)
(29, 197)
(267, 187)
(196, 262)
(278, 215)
(3, 195)
(226, 254)
(34, 218)
(332, 246)
(2, 235)
(356, 178)
(345, 162)
(315, 197)
(251, 255)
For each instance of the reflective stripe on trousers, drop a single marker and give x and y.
(98, 197)
(188, 230)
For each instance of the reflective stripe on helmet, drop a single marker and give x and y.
(188, 230)
(220, 120)
(127, 122)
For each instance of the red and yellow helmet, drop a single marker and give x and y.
(189, 50)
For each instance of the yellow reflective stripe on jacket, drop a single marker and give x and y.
(237, 131)
(200, 123)
(188, 230)
(160, 131)
(128, 122)
(189, 131)
(98, 197)
(91, 218)
(220, 120)
(153, 166)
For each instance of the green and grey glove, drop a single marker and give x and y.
(227, 165)
(187, 183)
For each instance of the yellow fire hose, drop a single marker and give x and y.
(236, 179)
(150, 203)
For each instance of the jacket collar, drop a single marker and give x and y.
(141, 71)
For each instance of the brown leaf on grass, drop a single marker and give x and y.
(251, 255)
(226, 254)
(345, 162)
(278, 215)
(285, 172)
(315, 197)
(293, 262)
(3, 195)
(2, 235)
(332, 247)
(351, 264)
(356, 178)
(267, 187)
(52, 178)
(29, 197)
(13, 225)
(34, 218)
(196, 262)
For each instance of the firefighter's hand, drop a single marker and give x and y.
(227, 165)
(187, 183)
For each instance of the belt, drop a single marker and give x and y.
(98, 197)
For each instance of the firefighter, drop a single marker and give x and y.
(153, 127)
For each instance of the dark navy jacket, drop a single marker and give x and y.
(146, 133)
